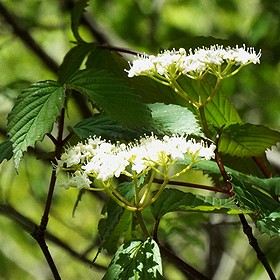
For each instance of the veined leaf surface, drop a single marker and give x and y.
(114, 95)
(35, 111)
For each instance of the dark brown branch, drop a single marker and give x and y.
(27, 39)
(262, 167)
(39, 232)
(29, 226)
(188, 270)
(254, 243)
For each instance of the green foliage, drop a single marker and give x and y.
(114, 95)
(6, 150)
(111, 228)
(72, 61)
(220, 111)
(101, 125)
(125, 109)
(266, 209)
(76, 15)
(35, 111)
(136, 260)
(247, 140)
(174, 119)
(174, 200)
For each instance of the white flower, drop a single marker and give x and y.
(144, 65)
(171, 64)
(78, 179)
(103, 160)
(242, 56)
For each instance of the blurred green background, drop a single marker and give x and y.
(213, 244)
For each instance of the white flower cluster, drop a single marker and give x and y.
(103, 160)
(195, 64)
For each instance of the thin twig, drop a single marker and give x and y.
(266, 172)
(39, 232)
(254, 243)
(246, 227)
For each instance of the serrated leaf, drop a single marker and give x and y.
(269, 185)
(174, 119)
(247, 140)
(114, 95)
(174, 200)
(35, 111)
(6, 150)
(73, 60)
(76, 15)
(101, 125)
(136, 260)
(112, 227)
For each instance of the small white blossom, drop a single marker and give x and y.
(104, 160)
(144, 65)
(171, 64)
(78, 179)
(242, 56)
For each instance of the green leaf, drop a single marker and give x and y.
(76, 15)
(110, 61)
(101, 125)
(114, 95)
(174, 119)
(35, 111)
(247, 140)
(6, 150)
(136, 260)
(112, 228)
(270, 224)
(150, 90)
(72, 61)
(118, 220)
(172, 200)
(252, 194)
(220, 111)
(265, 208)
(271, 185)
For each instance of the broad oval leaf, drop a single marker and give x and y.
(101, 125)
(174, 119)
(35, 111)
(247, 140)
(136, 260)
(220, 111)
(114, 95)
(174, 200)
